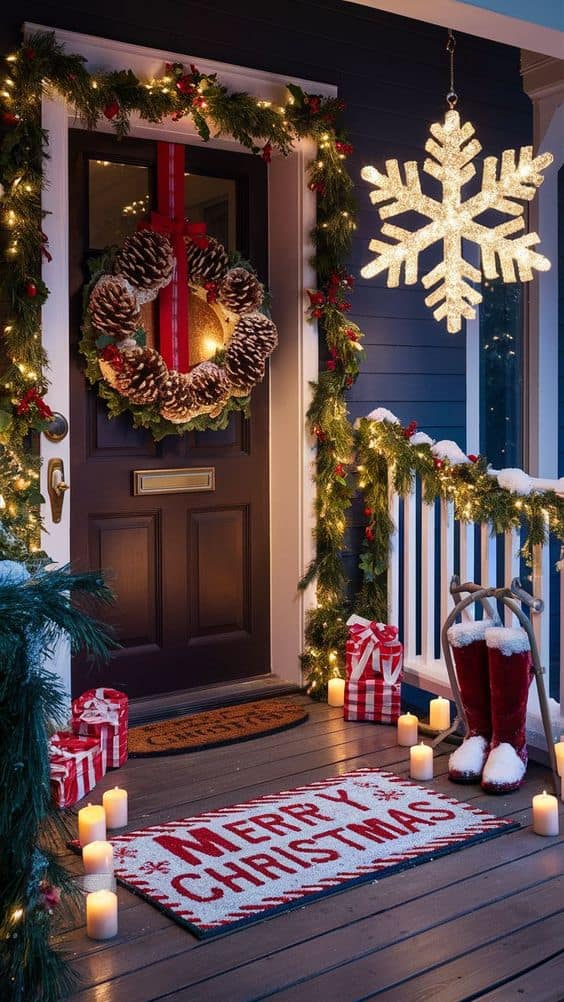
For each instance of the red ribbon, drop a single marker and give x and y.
(173, 300)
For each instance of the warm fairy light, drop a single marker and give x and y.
(2, 502)
(451, 220)
(17, 914)
(11, 58)
(94, 84)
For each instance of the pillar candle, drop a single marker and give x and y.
(439, 714)
(101, 915)
(98, 857)
(407, 729)
(115, 806)
(421, 762)
(336, 692)
(545, 814)
(91, 824)
(559, 752)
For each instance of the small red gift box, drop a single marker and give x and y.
(374, 700)
(75, 766)
(374, 662)
(103, 713)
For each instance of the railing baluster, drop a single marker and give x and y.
(467, 572)
(541, 589)
(447, 556)
(510, 567)
(428, 582)
(410, 574)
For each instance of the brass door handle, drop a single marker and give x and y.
(57, 487)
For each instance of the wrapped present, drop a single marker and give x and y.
(76, 764)
(103, 713)
(374, 700)
(374, 663)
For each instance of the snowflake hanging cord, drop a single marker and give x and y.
(452, 219)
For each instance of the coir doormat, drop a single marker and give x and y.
(215, 727)
(225, 869)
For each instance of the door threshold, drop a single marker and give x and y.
(207, 697)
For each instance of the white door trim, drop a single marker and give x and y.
(294, 365)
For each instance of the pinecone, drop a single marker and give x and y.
(240, 291)
(209, 385)
(206, 264)
(146, 260)
(142, 375)
(177, 397)
(113, 308)
(259, 327)
(244, 364)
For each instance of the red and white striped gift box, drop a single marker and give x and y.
(374, 663)
(103, 713)
(75, 764)
(372, 700)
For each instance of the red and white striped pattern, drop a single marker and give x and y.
(286, 847)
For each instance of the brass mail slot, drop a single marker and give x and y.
(186, 481)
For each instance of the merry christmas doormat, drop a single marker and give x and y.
(225, 869)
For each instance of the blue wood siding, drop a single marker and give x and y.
(392, 73)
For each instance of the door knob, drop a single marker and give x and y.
(57, 487)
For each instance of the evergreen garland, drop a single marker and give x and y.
(40, 65)
(34, 612)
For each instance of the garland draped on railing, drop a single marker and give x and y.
(388, 454)
(41, 65)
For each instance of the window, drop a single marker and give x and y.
(501, 373)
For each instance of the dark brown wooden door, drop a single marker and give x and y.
(190, 571)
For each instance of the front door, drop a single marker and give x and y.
(190, 570)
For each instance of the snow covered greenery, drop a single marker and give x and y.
(504, 499)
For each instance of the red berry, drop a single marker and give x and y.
(472, 457)
(438, 464)
(31, 290)
(368, 512)
(369, 533)
(339, 470)
(111, 110)
(9, 118)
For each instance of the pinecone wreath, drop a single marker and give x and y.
(259, 327)
(243, 337)
(113, 308)
(244, 364)
(240, 291)
(141, 375)
(177, 398)
(146, 260)
(206, 264)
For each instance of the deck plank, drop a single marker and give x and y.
(398, 928)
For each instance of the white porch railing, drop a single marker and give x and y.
(427, 547)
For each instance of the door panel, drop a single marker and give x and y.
(219, 562)
(190, 571)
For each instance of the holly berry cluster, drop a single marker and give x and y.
(338, 284)
(32, 399)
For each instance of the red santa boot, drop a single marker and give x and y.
(510, 667)
(471, 660)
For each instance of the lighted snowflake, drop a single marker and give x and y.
(162, 867)
(452, 219)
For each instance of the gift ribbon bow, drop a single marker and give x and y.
(173, 299)
(97, 711)
(372, 636)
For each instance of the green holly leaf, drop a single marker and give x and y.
(366, 564)
(201, 125)
(297, 93)
(140, 337)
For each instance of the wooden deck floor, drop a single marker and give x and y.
(486, 922)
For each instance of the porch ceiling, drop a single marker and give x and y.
(475, 20)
